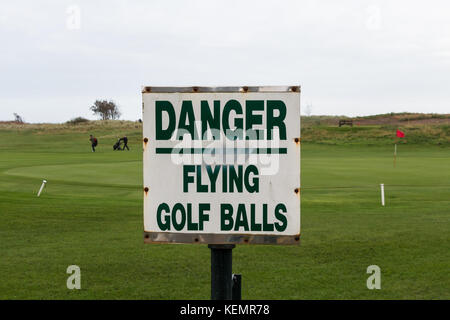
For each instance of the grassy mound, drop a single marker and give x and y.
(315, 129)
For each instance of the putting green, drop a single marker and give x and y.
(120, 174)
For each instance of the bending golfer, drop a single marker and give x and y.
(125, 143)
(93, 141)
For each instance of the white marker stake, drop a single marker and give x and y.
(382, 194)
(42, 187)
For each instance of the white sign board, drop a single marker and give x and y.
(221, 165)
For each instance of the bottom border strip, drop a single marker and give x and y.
(214, 238)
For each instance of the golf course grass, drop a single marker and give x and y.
(90, 215)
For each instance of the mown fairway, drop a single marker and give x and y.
(90, 215)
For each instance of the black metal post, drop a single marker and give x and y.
(237, 287)
(221, 277)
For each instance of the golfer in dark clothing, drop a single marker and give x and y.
(125, 143)
(93, 141)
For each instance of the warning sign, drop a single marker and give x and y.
(221, 165)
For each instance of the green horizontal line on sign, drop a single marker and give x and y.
(222, 150)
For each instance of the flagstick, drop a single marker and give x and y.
(395, 154)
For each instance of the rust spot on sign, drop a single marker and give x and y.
(297, 140)
(295, 89)
(145, 140)
(147, 90)
(297, 190)
(146, 190)
(245, 89)
(195, 89)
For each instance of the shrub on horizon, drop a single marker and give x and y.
(77, 120)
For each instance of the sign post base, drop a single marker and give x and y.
(221, 276)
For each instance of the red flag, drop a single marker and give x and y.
(400, 134)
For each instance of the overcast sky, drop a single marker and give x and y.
(351, 57)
